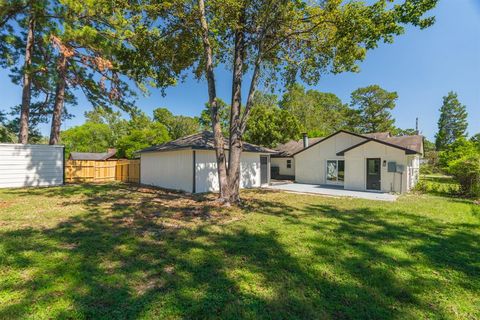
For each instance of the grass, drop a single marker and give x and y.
(119, 252)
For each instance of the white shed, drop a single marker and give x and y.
(189, 164)
(23, 165)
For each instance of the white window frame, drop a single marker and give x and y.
(339, 183)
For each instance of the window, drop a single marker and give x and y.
(289, 164)
(335, 171)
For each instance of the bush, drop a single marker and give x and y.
(467, 171)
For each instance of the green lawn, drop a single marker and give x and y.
(117, 252)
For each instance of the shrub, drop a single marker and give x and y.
(467, 171)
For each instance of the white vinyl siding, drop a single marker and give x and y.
(30, 165)
(310, 164)
(281, 163)
(169, 170)
(355, 167)
(174, 170)
(206, 176)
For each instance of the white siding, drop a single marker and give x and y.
(281, 163)
(355, 167)
(310, 164)
(170, 170)
(206, 177)
(30, 165)
(413, 171)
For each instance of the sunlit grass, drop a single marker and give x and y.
(120, 252)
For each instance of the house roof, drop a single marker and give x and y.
(328, 137)
(411, 144)
(291, 147)
(201, 141)
(93, 156)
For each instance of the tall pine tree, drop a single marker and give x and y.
(452, 124)
(372, 109)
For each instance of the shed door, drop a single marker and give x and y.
(263, 170)
(373, 174)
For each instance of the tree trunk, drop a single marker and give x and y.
(59, 99)
(27, 83)
(235, 140)
(212, 97)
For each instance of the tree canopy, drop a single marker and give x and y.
(452, 124)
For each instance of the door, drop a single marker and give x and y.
(373, 174)
(263, 170)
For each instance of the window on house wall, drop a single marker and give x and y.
(289, 164)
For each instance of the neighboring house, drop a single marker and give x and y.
(93, 156)
(189, 164)
(283, 162)
(373, 162)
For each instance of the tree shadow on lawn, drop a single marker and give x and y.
(128, 263)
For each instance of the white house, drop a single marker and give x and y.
(283, 162)
(189, 164)
(371, 162)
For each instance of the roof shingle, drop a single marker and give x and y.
(201, 141)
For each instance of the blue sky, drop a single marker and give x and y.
(422, 66)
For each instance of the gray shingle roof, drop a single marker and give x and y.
(201, 141)
(92, 156)
(289, 148)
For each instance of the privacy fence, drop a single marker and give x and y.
(82, 171)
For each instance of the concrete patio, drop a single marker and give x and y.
(332, 191)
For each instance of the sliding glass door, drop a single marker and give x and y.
(335, 171)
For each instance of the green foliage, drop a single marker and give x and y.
(476, 139)
(177, 126)
(462, 160)
(224, 115)
(440, 185)
(88, 137)
(319, 113)
(105, 129)
(372, 109)
(452, 124)
(269, 125)
(138, 138)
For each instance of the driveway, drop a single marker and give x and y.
(332, 191)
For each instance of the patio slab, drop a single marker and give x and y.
(333, 191)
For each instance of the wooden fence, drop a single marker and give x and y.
(102, 171)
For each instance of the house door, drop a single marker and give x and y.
(263, 170)
(373, 174)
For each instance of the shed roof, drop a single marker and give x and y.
(201, 141)
(93, 156)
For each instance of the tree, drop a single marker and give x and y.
(263, 41)
(372, 107)
(269, 125)
(320, 113)
(89, 137)
(177, 126)
(462, 160)
(452, 124)
(476, 139)
(139, 138)
(223, 110)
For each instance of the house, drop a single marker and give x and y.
(283, 162)
(189, 164)
(371, 162)
(93, 156)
